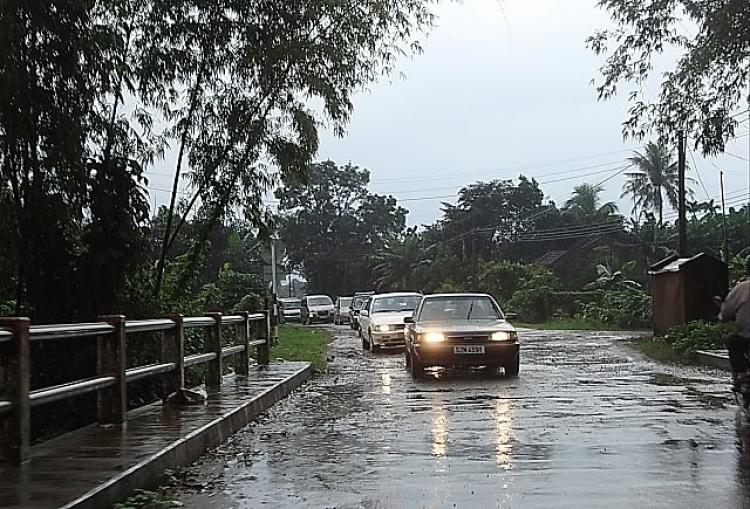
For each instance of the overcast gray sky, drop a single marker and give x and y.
(503, 88)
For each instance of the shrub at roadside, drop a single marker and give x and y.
(699, 335)
(537, 305)
(626, 308)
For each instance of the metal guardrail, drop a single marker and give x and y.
(133, 374)
(133, 326)
(198, 321)
(68, 331)
(112, 378)
(5, 335)
(201, 358)
(232, 350)
(71, 390)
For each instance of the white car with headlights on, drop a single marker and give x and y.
(462, 329)
(382, 319)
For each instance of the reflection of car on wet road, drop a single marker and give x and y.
(460, 330)
(290, 310)
(341, 310)
(317, 308)
(382, 321)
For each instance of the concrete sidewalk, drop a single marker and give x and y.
(97, 466)
(714, 358)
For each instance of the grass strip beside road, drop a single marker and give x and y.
(300, 343)
(660, 350)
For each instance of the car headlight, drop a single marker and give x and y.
(384, 328)
(504, 336)
(433, 337)
(312, 314)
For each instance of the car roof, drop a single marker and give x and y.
(398, 294)
(318, 295)
(435, 295)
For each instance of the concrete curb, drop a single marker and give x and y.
(149, 473)
(713, 359)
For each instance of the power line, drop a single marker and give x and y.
(503, 170)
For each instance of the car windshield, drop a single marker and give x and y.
(452, 308)
(293, 304)
(358, 301)
(344, 303)
(396, 304)
(319, 301)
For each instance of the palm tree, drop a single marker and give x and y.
(654, 179)
(586, 201)
(397, 262)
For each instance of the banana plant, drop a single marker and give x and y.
(612, 279)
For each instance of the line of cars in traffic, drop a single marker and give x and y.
(450, 329)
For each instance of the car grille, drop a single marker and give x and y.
(322, 313)
(464, 340)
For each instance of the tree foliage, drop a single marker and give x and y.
(653, 181)
(709, 82)
(586, 202)
(93, 92)
(333, 227)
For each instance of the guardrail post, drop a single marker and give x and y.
(243, 335)
(112, 402)
(15, 428)
(173, 350)
(213, 345)
(264, 350)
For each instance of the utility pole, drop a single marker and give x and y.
(725, 244)
(682, 208)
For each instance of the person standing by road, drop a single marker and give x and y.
(736, 307)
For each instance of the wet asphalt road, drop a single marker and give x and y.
(588, 423)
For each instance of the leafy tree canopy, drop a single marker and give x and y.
(333, 226)
(709, 82)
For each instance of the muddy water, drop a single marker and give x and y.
(587, 424)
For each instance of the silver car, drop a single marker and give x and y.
(290, 310)
(317, 308)
(382, 319)
(341, 310)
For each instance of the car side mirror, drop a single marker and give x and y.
(509, 317)
(364, 313)
(408, 319)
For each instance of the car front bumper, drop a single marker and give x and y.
(443, 354)
(391, 339)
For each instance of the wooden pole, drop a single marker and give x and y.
(173, 350)
(112, 402)
(725, 243)
(682, 206)
(15, 427)
(213, 345)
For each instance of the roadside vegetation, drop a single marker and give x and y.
(681, 343)
(298, 343)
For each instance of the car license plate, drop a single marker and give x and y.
(473, 349)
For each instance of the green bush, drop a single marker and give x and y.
(504, 279)
(626, 308)
(251, 303)
(698, 335)
(541, 304)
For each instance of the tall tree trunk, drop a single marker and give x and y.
(166, 244)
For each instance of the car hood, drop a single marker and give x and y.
(391, 318)
(465, 326)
